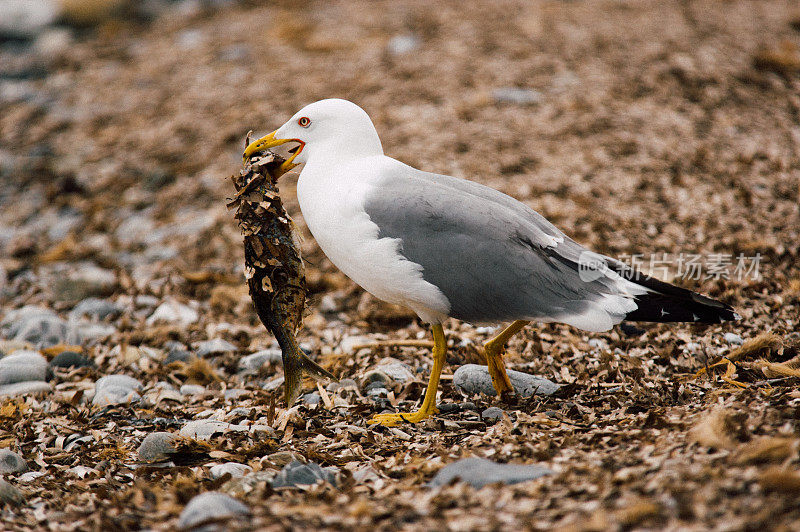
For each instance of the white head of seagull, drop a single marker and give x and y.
(333, 126)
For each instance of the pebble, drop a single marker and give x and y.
(492, 414)
(235, 469)
(342, 385)
(312, 399)
(598, 343)
(173, 312)
(479, 472)
(15, 319)
(403, 44)
(11, 462)
(84, 281)
(299, 474)
(733, 338)
(215, 346)
(517, 96)
(30, 476)
(273, 384)
(24, 19)
(472, 379)
(260, 358)
(192, 389)
(116, 389)
(71, 359)
(52, 43)
(157, 447)
(66, 221)
(24, 388)
(205, 429)
(233, 394)
(96, 309)
(22, 366)
(348, 343)
(446, 408)
(388, 371)
(178, 355)
(211, 507)
(242, 486)
(89, 332)
(9, 494)
(43, 329)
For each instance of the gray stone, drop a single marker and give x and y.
(157, 447)
(299, 474)
(193, 389)
(479, 472)
(733, 338)
(124, 381)
(64, 223)
(205, 429)
(24, 388)
(14, 320)
(235, 469)
(178, 355)
(215, 346)
(388, 371)
(233, 394)
(116, 389)
(24, 19)
(256, 360)
(22, 366)
(96, 309)
(11, 462)
(42, 330)
(492, 414)
(273, 384)
(173, 312)
(85, 281)
(9, 494)
(145, 301)
(81, 333)
(51, 43)
(134, 229)
(342, 385)
(71, 359)
(311, 399)
(242, 486)
(447, 408)
(211, 507)
(403, 44)
(472, 379)
(516, 96)
(598, 343)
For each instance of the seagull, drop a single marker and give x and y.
(446, 247)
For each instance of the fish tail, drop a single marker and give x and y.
(295, 362)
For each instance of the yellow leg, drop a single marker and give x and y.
(428, 407)
(494, 349)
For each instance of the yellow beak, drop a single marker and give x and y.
(267, 142)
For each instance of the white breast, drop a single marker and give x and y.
(332, 198)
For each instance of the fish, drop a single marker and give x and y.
(273, 265)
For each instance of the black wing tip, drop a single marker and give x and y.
(668, 308)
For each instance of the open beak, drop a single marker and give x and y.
(265, 143)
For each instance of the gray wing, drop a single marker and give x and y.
(494, 258)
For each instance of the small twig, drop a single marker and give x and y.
(395, 343)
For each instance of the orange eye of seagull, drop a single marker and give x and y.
(304, 121)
